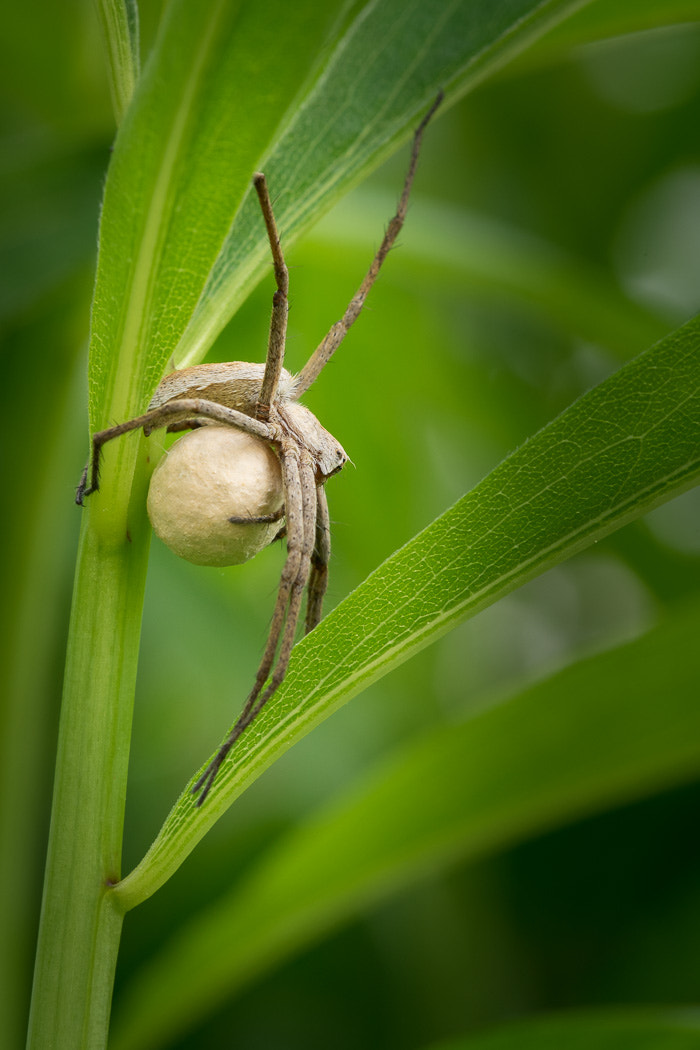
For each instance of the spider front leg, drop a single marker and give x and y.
(280, 305)
(328, 346)
(301, 509)
(100, 438)
(172, 413)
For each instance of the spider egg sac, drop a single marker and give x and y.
(208, 476)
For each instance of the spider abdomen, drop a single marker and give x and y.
(234, 384)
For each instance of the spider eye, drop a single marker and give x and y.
(340, 461)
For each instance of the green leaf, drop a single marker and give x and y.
(119, 22)
(221, 83)
(169, 199)
(37, 543)
(383, 72)
(611, 728)
(609, 18)
(631, 1029)
(181, 165)
(629, 444)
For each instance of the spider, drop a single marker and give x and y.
(263, 401)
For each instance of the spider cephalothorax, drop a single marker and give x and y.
(262, 401)
(236, 385)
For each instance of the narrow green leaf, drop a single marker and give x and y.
(182, 159)
(181, 165)
(602, 19)
(629, 444)
(630, 1029)
(606, 730)
(80, 924)
(119, 22)
(383, 72)
(33, 567)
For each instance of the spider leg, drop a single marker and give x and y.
(100, 438)
(323, 353)
(318, 579)
(300, 501)
(261, 519)
(172, 412)
(280, 306)
(186, 424)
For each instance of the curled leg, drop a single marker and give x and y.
(172, 413)
(300, 503)
(318, 579)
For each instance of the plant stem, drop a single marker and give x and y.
(81, 919)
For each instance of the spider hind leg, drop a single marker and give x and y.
(300, 501)
(318, 578)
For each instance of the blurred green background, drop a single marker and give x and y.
(554, 231)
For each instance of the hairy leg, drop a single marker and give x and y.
(323, 353)
(280, 306)
(169, 414)
(300, 501)
(318, 579)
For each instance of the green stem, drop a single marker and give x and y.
(81, 919)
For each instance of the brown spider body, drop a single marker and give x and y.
(262, 401)
(236, 385)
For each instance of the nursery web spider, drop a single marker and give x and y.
(264, 401)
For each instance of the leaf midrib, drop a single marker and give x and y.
(143, 283)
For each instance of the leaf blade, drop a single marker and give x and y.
(119, 22)
(181, 166)
(627, 445)
(592, 736)
(385, 70)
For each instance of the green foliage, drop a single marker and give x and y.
(120, 30)
(499, 777)
(385, 68)
(549, 254)
(620, 450)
